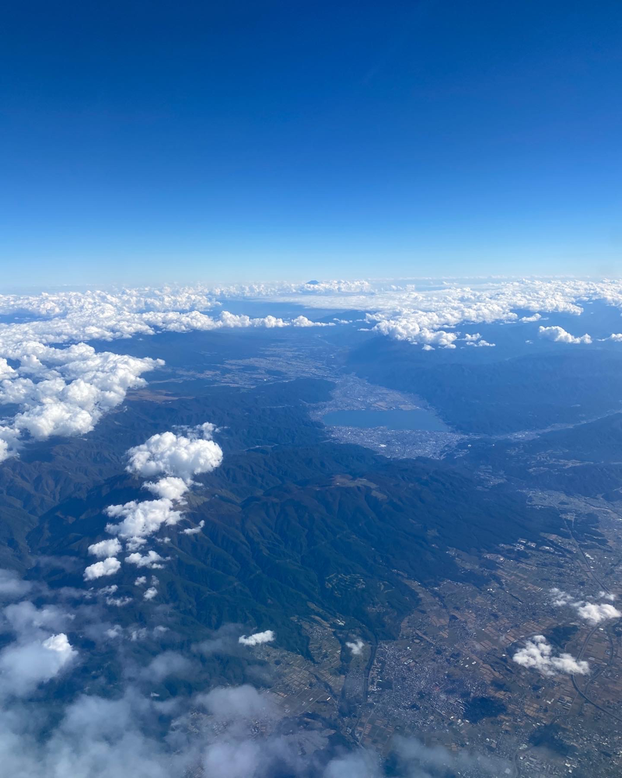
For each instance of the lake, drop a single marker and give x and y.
(418, 419)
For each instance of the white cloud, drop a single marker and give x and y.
(356, 647)
(150, 593)
(108, 566)
(358, 764)
(259, 637)
(141, 519)
(171, 488)
(302, 321)
(236, 702)
(151, 559)
(118, 602)
(559, 335)
(592, 612)
(23, 666)
(232, 759)
(105, 548)
(11, 586)
(419, 760)
(409, 329)
(194, 530)
(64, 391)
(538, 655)
(25, 618)
(180, 456)
(167, 664)
(475, 340)
(92, 737)
(141, 580)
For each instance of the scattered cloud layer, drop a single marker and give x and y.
(226, 732)
(62, 386)
(178, 458)
(428, 312)
(65, 391)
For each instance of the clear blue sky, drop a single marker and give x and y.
(172, 141)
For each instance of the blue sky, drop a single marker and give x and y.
(159, 141)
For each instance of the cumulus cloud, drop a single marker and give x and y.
(409, 329)
(171, 488)
(141, 519)
(429, 316)
(538, 654)
(559, 335)
(179, 456)
(302, 321)
(150, 593)
(151, 559)
(258, 638)
(105, 548)
(476, 340)
(97, 315)
(356, 647)
(63, 391)
(592, 612)
(106, 567)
